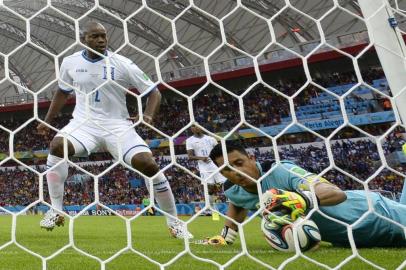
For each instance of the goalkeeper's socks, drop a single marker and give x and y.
(56, 178)
(164, 197)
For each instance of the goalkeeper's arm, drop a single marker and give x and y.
(287, 206)
(230, 229)
(328, 194)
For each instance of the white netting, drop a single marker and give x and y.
(287, 39)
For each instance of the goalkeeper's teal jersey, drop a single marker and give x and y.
(371, 231)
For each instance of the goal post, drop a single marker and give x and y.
(390, 47)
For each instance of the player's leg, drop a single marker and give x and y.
(211, 185)
(214, 184)
(145, 163)
(56, 177)
(137, 154)
(80, 140)
(58, 169)
(212, 188)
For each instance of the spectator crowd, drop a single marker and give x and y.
(262, 107)
(358, 157)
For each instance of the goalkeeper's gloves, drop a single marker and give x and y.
(286, 202)
(276, 220)
(227, 237)
(229, 234)
(217, 240)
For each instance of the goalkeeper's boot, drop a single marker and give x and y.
(178, 230)
(51, 220)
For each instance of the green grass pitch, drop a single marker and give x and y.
(103, 236)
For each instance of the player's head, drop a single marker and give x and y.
(196, 131)
(239, 159)
(94, 35)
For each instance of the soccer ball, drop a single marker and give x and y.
(282, 238)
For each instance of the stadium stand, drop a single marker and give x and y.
(116, 188)
(359, 156)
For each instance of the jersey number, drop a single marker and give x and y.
(97, 97)
(111, 73)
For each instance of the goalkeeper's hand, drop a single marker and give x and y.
(285, 203)
(276, 220)
(217, 240)
(227, 237)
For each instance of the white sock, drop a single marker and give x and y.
(212, 201)
(56, 179)
(164, 196)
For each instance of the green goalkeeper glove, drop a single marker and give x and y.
(286, 203)
(276, 220)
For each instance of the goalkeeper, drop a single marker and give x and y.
(287, 188)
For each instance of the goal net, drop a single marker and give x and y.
(317, 82)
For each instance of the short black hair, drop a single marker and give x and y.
(230, 147)
(86, 28)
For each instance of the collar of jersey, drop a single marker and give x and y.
(84, 54)
(261, 173)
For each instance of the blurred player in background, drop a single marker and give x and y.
(286, 190)
(86, 71)
(198, 147)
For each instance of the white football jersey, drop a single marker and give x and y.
(202, 147)
(109, 101)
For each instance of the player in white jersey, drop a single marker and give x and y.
(105, 123)
(198, 148)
